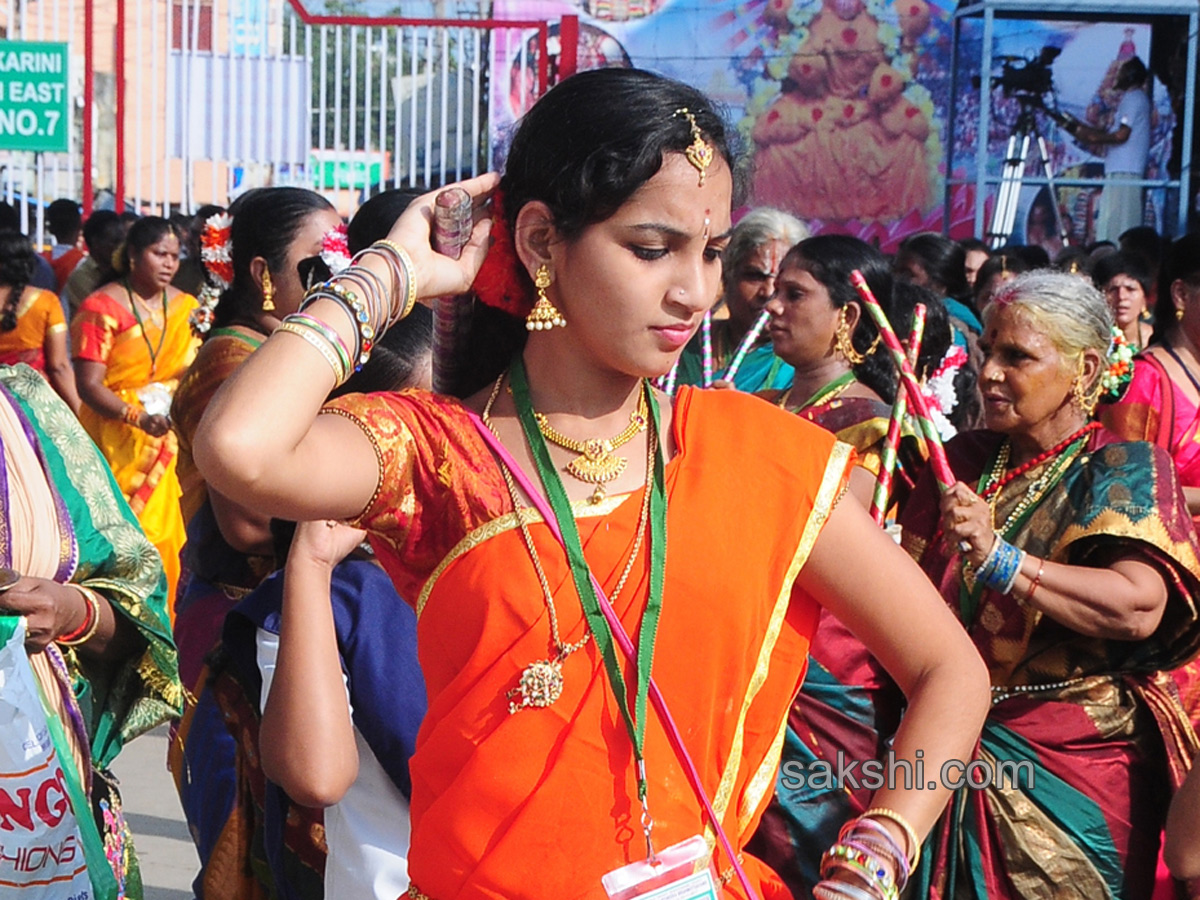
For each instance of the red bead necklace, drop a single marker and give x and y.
(1020, 470)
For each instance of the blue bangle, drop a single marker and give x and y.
(999, 571)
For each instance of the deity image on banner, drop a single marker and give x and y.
(846, 113)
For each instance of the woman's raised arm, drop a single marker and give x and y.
(261, 441)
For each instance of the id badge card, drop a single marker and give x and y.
(682, 872)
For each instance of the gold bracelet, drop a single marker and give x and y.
(131, 415)
(410, 274)
(93, 602)
(317, 342)
(910, 833)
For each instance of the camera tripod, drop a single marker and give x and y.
(1004, 216)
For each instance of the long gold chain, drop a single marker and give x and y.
(596, 463)
(541, 681)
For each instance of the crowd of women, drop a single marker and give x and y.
(587, 621)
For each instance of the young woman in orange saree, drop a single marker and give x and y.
(536, 773)
(132, 341)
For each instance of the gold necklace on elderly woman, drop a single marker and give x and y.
(596, 463)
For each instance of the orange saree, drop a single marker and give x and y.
(543, 803)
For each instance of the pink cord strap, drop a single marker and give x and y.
(626, 645)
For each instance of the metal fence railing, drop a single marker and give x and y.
(194, 101)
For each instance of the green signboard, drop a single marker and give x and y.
(34, 96)
(347, 168)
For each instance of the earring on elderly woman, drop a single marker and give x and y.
(1086, 400)
(544, 314)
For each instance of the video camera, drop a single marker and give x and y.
(1033, 78)
(1028, 79)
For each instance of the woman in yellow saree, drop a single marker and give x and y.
(132, 342)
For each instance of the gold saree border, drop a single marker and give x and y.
(497, 527)
(826, 498)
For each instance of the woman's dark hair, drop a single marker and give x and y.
(1074, 261)
(1181, 262)
(830, 258)
(265, 222)
(145, 232)
(1106, 268)
(17, 261)
(943, 260)
(395, 357)
(1002, 262)
(584, 149)
(376, 217)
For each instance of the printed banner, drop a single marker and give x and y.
(841, 105)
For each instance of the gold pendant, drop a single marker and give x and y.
(540, 685)
(597, 464)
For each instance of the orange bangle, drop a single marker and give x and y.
(1037, 579)
(131, 415)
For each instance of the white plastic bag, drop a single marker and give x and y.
(50, 848)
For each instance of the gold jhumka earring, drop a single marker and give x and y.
(268, 292)
(544, 314)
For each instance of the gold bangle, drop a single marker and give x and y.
(317, 343)
(410, 273)
(910, 833)
(131, 416)
(93, 602)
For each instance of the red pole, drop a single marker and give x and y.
(543, 58)
(568, 40)
(89, 97)
(119, 76)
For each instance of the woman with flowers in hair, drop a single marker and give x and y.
(131, 343)
(1070, 558)
(547, 765)
(252, 257)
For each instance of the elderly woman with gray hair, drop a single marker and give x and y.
(750, 263)
(1070, 559)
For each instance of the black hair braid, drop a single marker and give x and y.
(17, 261)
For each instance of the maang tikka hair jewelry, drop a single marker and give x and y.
(544, 314)
(700, 152)
(268, 291)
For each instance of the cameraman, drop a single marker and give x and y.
(1121, 205)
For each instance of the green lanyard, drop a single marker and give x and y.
(635, 720)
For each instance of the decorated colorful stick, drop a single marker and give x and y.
(748, 341)
(937, 454)
(452, 224)
(891, 444)
(706, 348)
(667, 382)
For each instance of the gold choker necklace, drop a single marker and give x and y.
(596, 463)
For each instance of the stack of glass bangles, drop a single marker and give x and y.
(371, 305)
(877, 866)
(1000, 568)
